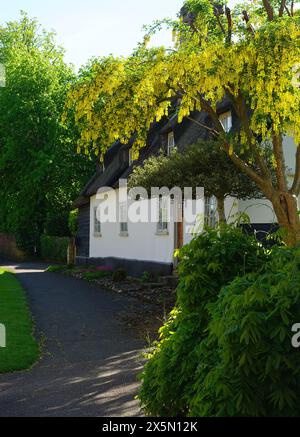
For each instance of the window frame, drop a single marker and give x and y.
(162, 226)
(170, 145)
(123, 223)
(210, 212)
(228, 117)
(96, 224)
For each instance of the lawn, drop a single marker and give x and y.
(21, 349)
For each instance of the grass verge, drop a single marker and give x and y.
(21, 349)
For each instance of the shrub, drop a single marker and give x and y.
(54, 248)
(119, 275)
(92, 275)
(212, 260)
(73, 222)
(248, 364)
(146, 277)
(54, 269)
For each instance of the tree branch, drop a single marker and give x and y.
(228, 89)
(295, 189)
(244, 167)
(282, 7)
(280, 162)
(217, 15)
(269, 9)
(247, 20)
(229, 22)
(207, 108)
(264, 184)
(204, 126)
(241, 109)
(292, 8)
(288, 12)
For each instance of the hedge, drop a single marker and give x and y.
(54, 248)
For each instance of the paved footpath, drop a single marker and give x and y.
(90, 362)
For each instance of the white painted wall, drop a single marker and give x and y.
(258, 210)
(231, 209)
(290, 149)
(194, 228)
(142, 242)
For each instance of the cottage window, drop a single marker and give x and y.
(97, 224)
(226, 121)
(123, 221)
(210, 212)
(171, 142)
(162, 225)
(124, 228)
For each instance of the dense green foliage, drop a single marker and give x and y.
(21, 349)
(247, 365)
(54, 248)
(40, 172)
(196, 167)
(73, 222)
(212, 260)
(57, 268)
(146, 277)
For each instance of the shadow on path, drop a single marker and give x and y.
(90, 362)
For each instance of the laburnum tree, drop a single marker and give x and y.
(204, 164)
(248, 54)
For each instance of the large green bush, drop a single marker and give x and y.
(212, 260)
(54, 248)
(247, 364)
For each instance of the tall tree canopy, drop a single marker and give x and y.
(40, 172)
(249, 54)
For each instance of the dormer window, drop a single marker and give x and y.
(171, 142)
(226, 121)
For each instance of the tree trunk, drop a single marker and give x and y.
(71, 253)
(286, 210)
(221, 209)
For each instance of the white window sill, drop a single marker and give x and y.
(162, 233)
(97, 235)
(123, 234)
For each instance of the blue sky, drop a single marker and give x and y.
(87, 28)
